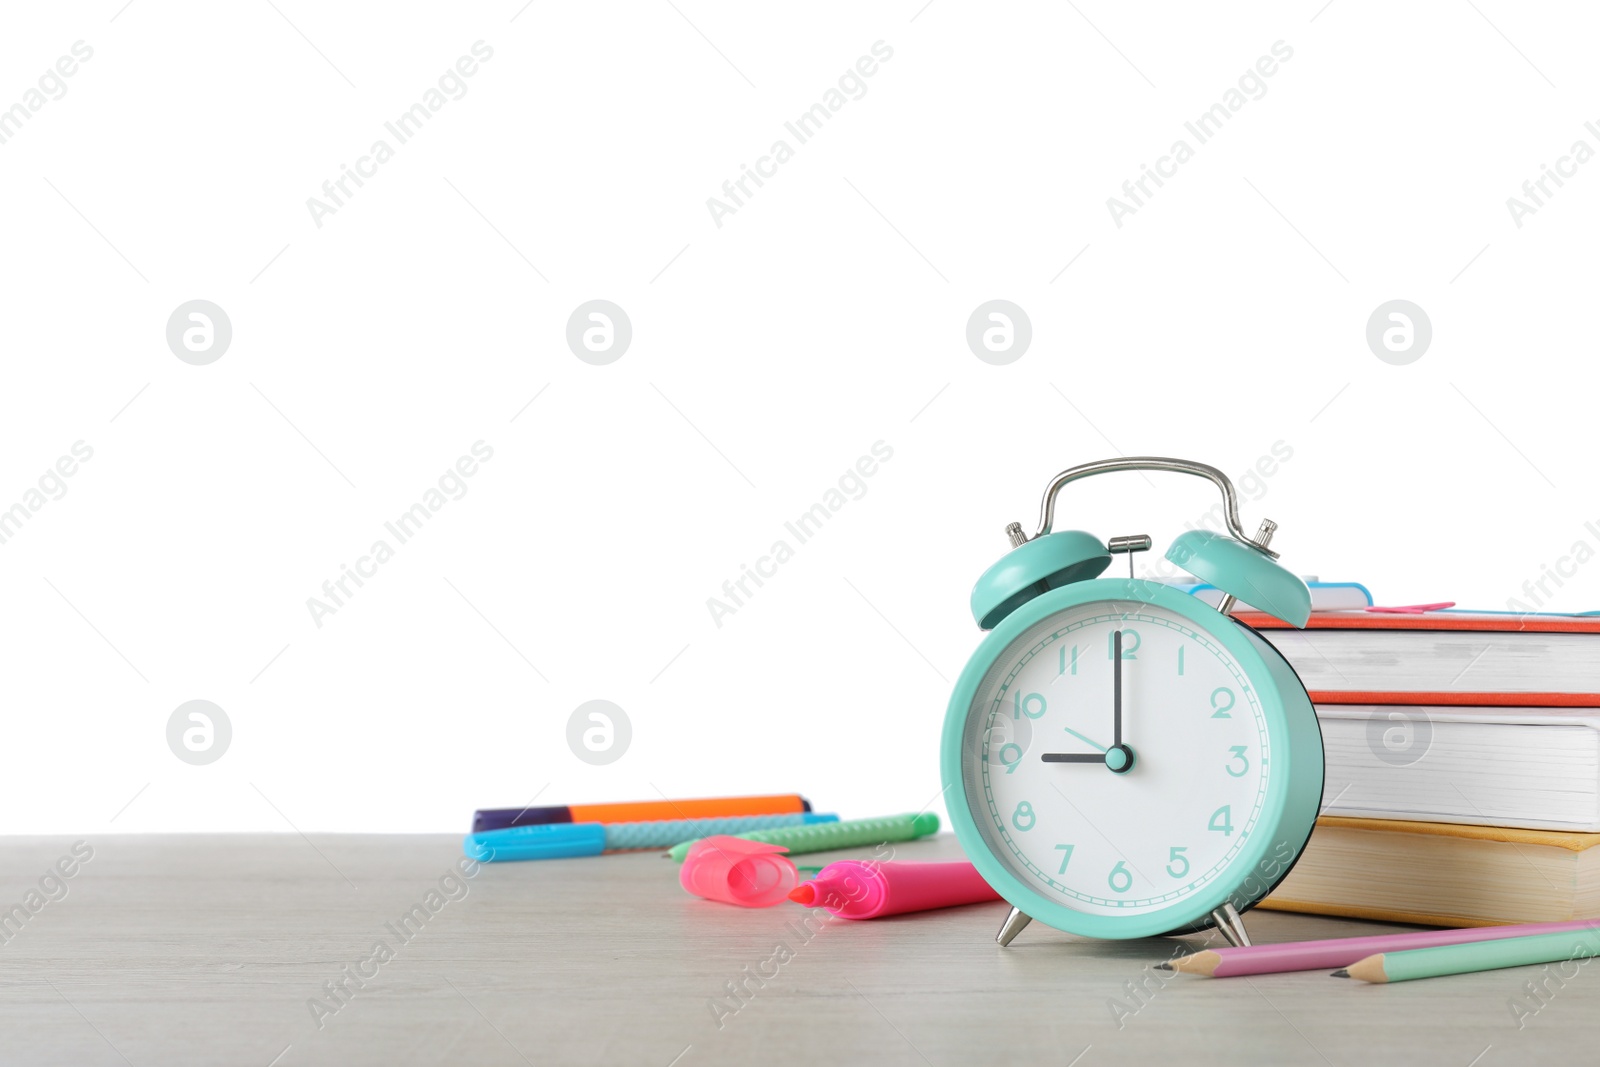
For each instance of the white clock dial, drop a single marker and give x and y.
(1077, 831)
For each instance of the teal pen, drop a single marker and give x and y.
(563, 840)
(853, 833)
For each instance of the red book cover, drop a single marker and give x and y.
(1492, 622)
(1434, 620)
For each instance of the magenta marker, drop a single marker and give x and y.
(852, 889)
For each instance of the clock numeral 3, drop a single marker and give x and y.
(1066, 857)
(1222, 820)
(1176, 855)
(1023, 818)
(1239, 755)
(1221, 702)
(1120, 879)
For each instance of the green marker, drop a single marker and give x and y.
(824, 837)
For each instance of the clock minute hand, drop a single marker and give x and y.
(1116, 689)
(1119, 757)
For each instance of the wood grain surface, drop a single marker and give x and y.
(177, 950)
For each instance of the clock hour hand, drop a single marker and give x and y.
(1077, 757)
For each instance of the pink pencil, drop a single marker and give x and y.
(1343, 951)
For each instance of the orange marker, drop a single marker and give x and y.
(640, 811)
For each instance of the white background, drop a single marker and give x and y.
(828, 313)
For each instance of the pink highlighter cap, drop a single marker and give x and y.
(736, 871)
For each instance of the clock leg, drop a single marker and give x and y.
(1231, 924)
(1012, 927)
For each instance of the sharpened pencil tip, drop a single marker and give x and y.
(1163, 966)
(1342, 972)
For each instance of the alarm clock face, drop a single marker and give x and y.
(1161, 812)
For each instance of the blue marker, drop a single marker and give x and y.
(563, 840)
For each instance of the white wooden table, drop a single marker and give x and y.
(207, 949)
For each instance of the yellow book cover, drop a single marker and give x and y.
(1443, 874)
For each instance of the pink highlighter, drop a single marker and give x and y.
(852, 889)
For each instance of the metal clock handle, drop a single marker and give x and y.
(1230, 499)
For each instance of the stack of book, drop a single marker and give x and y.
(1463, 766)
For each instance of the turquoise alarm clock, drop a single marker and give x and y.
(1119, 758)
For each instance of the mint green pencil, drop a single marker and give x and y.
(823, 837)
(1475, 956)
